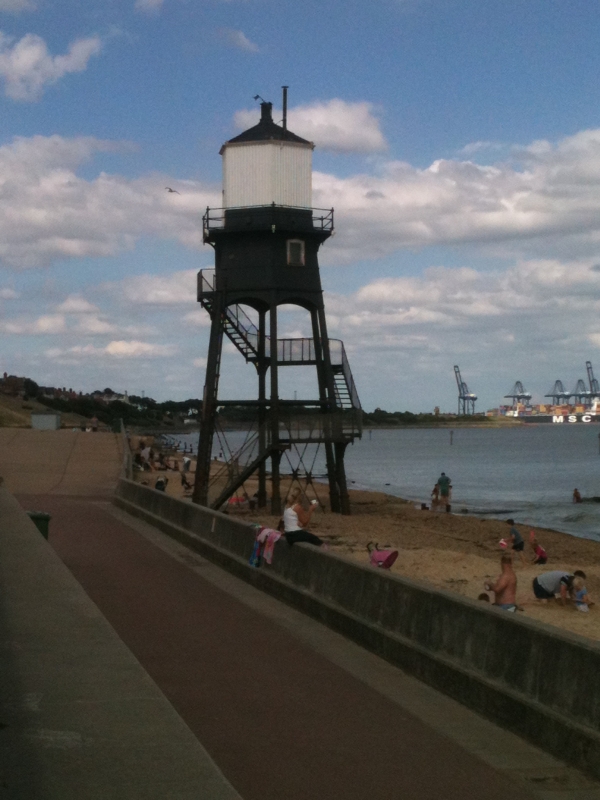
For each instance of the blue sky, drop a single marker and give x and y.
(459, 142)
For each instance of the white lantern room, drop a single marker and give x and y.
(267, 164)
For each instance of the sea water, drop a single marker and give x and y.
(527, 472)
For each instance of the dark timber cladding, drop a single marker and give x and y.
(266, 240)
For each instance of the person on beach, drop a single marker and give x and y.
(581, 597)
(539, 554)
(435, 497)
(557, 582)
(505, 588)
(576, 496)
(145, 454)
(296, 519)
(161, 483)
(444, 488)
(518, 545)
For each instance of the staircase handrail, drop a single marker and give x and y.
(347, 372)
(244, 326)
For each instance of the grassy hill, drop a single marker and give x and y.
(16, 413)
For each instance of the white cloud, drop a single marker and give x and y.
(75, 304)
(548, 192)
(133, 349)
(176, 289)
(44, 325)
(476, 147)
(199, 318)
(116, 350)
(332, 125)
(239, 40)
(533, 305)
(48, 212)
(15, 6)
(8, 294)
(93, 325)
(199, 362)
(27, 67)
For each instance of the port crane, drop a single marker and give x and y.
(594, 387)
(518, 394)
(466, 399)
(560, 396)
(581, 394)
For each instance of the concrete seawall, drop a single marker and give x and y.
(79, 716)
(533, 679)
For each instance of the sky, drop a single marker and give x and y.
(458, 141)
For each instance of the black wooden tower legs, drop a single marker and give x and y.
(209, 404)
(269, 420)
(324, 397)
(274, 416)
(262, 366)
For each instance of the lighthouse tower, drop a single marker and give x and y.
(266, 240)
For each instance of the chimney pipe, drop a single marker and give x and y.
(285, 88)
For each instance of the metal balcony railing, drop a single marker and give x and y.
(215, 218)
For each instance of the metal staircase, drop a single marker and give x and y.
(240, 330)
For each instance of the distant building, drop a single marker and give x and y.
(12, 385)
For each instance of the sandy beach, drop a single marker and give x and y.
(455, 552)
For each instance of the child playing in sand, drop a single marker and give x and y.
(517, 540)
(581, 597)
(539, 554)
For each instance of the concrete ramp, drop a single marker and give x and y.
(59, 462)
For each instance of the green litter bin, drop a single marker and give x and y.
(41, 521)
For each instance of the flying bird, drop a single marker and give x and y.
(168, 188)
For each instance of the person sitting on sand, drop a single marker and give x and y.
(505, 588)
(518, 545)
(161, 484)
(576, 496)
(557, 582)
(296, 519)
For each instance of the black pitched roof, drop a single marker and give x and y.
(267, 129)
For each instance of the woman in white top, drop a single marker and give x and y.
(295, 520)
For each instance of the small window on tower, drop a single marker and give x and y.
(295, 252)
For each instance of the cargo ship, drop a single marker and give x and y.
(560, 415)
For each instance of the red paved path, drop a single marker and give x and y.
(280, 720)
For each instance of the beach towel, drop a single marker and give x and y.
(255, 558)
(272, 537)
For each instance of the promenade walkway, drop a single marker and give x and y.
(287, 709)
(59, 462)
